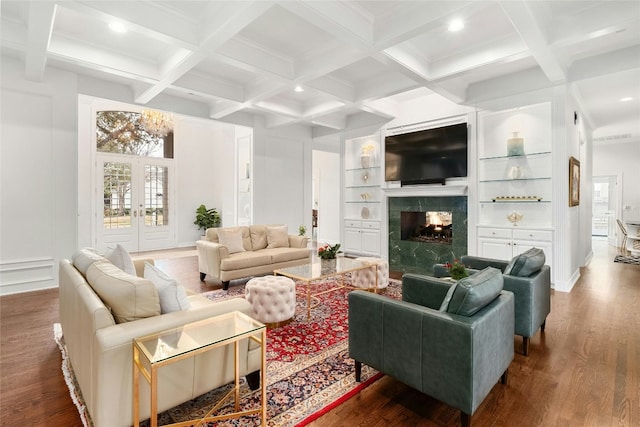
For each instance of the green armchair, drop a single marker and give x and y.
(532, 291)
(454, 355)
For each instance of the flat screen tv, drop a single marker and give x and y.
(428, 156)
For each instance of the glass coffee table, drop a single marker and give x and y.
(318, 270)
(152, 352)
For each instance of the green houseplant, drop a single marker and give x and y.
(302, 230)
(206, 218)
(457, 270)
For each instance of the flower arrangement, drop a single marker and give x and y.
(329, 251)
(367, 148)
(457, 270)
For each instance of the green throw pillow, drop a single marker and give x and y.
(473, 293)
(526, 264)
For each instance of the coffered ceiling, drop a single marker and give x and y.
(352, 59)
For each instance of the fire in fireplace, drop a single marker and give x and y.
(427, 227)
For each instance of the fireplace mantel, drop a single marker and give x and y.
(458, 189)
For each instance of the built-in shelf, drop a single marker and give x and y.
(362, 201)
(363, 186)
(515, 179)
(362, 169)
(524, 156)
(515, 201)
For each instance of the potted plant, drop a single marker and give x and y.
(457, 270)
(302, 230)
(327, 253)
(206, 218)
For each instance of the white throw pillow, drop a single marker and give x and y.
(277, 237)
(172, 295)
(232, 239)
(121, 259)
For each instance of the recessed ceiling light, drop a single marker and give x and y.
(299, 89)
(117, 27)
(625, 99)
(456, 25)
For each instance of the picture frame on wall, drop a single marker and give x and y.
(574, 181)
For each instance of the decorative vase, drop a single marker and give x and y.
(515, 172)
(364, 213)
(328, 263)
(514, 218)
(365, 160)
(515, 145)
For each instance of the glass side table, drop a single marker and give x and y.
(152, 352)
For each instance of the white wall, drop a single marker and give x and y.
(613, 159)
(282, 175)
(37, 176)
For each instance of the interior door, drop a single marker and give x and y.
(135, 203)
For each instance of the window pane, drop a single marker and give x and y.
(121, 132)
(156, 196)
(117, 195)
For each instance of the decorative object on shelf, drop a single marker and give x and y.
(515, 145)
(156, 123)
(574, 181)
(364, 213)
(207, 218)
(329, 251)
(302, 230)
(517, 198)
(515, 172)
(515, 217)
(366, 153)
(365, 177)
(365, 196)
(457, 270)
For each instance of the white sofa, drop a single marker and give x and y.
(263, 248)
(100, 349)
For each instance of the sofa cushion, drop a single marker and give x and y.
(212, 235)
(84, 258)
(447, 298)
(258, 236)
(129, 297)
(473, 293)
(121, 259)
(248, 259)
(277, 237)
(232, 239)
(286, 254)
(526, 264)
(172, 294)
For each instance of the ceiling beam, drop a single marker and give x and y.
(228, 21)
(527, 26)
(39, 27)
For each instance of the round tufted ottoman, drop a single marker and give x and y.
(366, 279)
(272, 299)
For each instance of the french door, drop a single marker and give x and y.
(134, 202)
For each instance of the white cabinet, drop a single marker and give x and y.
(505, 243)
(362, 237)
(362, 195)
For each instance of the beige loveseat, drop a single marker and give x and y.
(236, 252)
(100, 348)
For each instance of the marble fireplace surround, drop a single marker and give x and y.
(419, 257)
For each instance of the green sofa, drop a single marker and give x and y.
(454, 358)
(532, 292)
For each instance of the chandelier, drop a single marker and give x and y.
(156, 123)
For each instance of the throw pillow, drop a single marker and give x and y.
(83, 259)
(258, 236)
(232, 239)
(277, 237)
(121, 259)
(172, 295)
(526, 264)
(129, 297)
(476, 291)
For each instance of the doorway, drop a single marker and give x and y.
(604, 208)
(325, 211)
(136, 207)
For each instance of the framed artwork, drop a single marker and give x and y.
(574, 181)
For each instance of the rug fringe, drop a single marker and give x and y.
(68, 376)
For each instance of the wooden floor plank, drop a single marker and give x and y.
(584, 370)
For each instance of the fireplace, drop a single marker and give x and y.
(427, 227)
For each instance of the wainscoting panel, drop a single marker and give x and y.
(26, 275)
(419, 257)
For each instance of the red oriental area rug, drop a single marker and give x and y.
(309, 371)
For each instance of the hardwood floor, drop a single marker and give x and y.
(583, 371)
